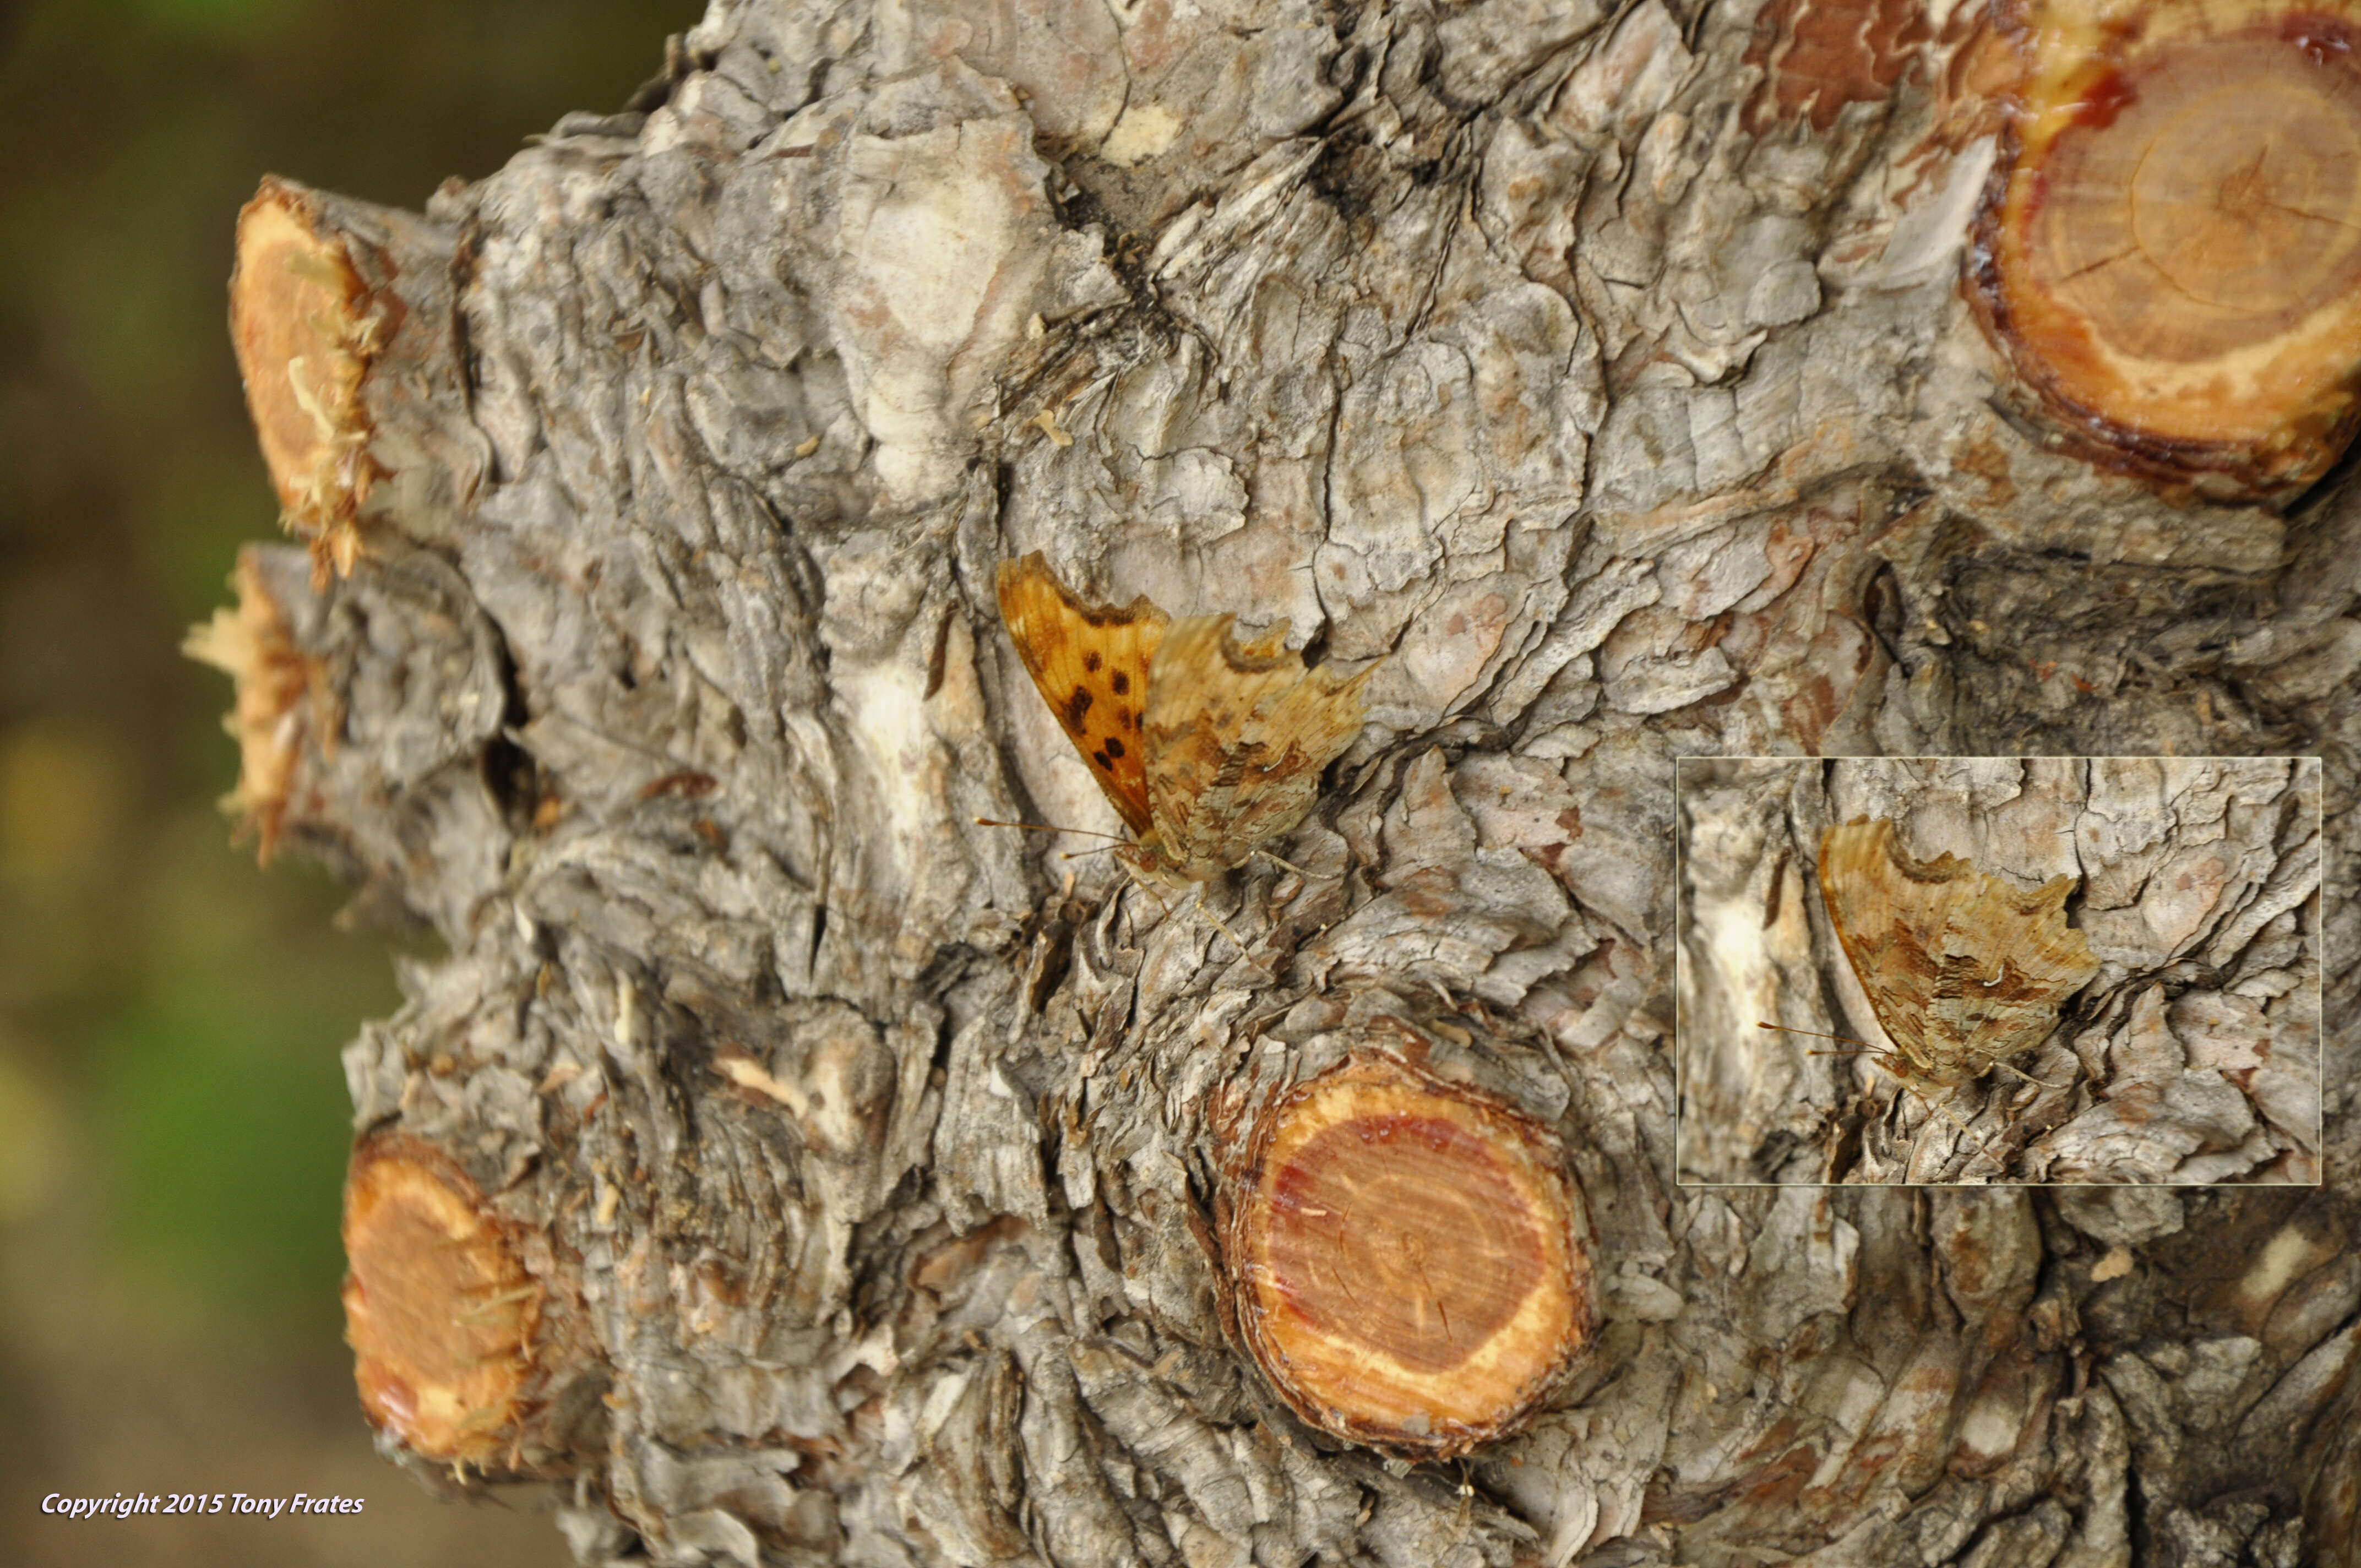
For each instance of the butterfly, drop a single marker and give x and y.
(1964, 971)
(1207, 747)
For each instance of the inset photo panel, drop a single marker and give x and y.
(1963, 970)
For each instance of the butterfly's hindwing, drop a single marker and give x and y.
(1237, 739)
(1964, 969)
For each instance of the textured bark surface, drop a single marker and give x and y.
(1609, 371)
(2193, 1056)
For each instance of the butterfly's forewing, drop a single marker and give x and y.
(2008, 961)
(1091, 664)
(1238, 738)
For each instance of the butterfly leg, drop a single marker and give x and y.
(1945, 1111)
(1145, 885)
(1879, 1056)
(1235, 940)
(2030, 1078)
(1885, 1060)
(1283, 863)
(1220, 925)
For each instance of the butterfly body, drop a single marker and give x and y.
(1964, 971)
(1207, 747)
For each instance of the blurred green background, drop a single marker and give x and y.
(173, 1120)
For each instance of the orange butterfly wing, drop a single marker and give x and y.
(1089, 662)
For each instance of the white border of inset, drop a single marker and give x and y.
(1681, 958)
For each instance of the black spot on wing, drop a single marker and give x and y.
(1107, 764)
(1121, 678)
(1090, 662)
(1078, 705)
(1114, 747)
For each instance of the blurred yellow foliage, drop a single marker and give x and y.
(67, 803)
(65, 798)
(30, 1147)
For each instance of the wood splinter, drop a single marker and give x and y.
(1408, 1261)
(278, 689)
(2172, 256)
(442, 1315)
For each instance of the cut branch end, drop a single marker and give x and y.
(1409, 1261)
(305, 329)
(2173, 260)
(439, 1310)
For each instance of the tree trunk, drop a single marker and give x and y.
(781, 1167)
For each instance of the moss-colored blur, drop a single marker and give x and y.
(173, 1119)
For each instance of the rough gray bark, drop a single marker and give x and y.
(1616, 388)
(2194, 1056)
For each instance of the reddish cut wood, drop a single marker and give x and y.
(1410, 1260)
(2172, 257)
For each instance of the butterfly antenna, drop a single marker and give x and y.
(1864, 1045)
(1047, 827)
